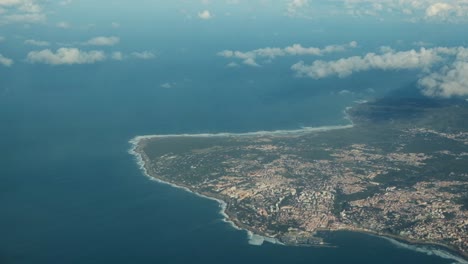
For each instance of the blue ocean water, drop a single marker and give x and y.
(70, 192)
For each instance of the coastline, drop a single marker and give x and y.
(141, 163)
(254, 238)
(301, 131)
(445, 251)
(258, 239)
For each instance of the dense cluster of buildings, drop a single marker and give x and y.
(271, 188)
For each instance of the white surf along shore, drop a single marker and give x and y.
(428, 250)
(254, 239)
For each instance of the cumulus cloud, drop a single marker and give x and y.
(5, 61)
(251, 62)
(232, 65)
(422, 43)
(438, 9)
(345, 92)
(103, 41)
(144, 55)
(25, 5)
(9, 2)
(250, 57)
(21, 11)
(39, 43)
(293, 6)
(65, 2)
(66, 56)
(408, 10)
(23, 18)
(205, 14)
(166, 85)
(117, 56)
(450, 80)
(390, 60)
(63, 25)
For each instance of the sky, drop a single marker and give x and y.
(317, 40)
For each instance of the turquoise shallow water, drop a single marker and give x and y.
(70, 192)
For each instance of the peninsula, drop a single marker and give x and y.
(401, 170)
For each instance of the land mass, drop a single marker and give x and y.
(401, 170)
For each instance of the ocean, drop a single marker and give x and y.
(71, 193)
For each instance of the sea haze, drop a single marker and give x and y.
(69, 190)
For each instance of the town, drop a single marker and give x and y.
(398, 180)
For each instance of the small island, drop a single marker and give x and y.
(400, 170)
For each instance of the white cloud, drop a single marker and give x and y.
(390, 60)
(63, 25)
(144, 55)
(36, 42)
(30, 7)
(5, 61)
(205, 14)
(115, 25)
(353, 44)
(9, 2)
(250, 62)
(65, 2)
(166, 85)
(408, 10)
(2, 39)
(65, 56)
(438, 9)
(232, 65)
(293, 6)
(449, 81)
(103, 41)
(345, 92)
(422, 43)
(117, 56)
(226, 53)
(250, 57)
(297, 49)
(21, 11)
(28, 18)
(386, 49)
